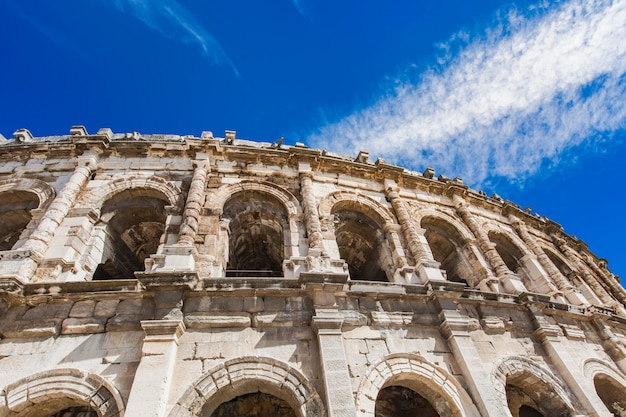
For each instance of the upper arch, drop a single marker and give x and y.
(349, 200)
(420, 215)
(219, 198)
(152, 187)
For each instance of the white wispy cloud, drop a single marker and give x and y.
(534, 86)
(173, 21)
(298, 5)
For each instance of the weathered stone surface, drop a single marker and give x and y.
(82, 325)
(180, 276)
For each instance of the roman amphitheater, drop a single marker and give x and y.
(180, 276)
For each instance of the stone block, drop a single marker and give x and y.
(47, 311)
(83, 325)
(208, 319)
(82, 309)
(106, 308)
(253, 304)
(274, 303)
(296, 318)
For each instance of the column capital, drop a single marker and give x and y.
(161, 330)
(327, 321)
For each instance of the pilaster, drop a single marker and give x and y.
(566, 363)
(587, 276)
(455, 327)
(563, 285)
(327, 323)
(427, 268)
(507, 279)
(153, 378)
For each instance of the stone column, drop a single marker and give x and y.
(505, 276)
(410, 234)
(337, 387)
(427, 267)
(567, 364)
(561, 282)
(151, 386)
(609, 279)
(193, 205)
(311, 215)
(455, 328)
(182, 255)
(38, 240)
(591, 281)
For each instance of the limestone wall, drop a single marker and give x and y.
(160, 275)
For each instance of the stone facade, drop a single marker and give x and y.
(180, 276)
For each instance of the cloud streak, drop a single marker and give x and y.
(173, 21)
(500, 105)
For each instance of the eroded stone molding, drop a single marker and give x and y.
(314, 229)
(247, 375)
(412, 371)
(60, 388)
(193, 206)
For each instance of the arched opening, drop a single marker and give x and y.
(445, 243)
(15, 206)
(399, 401)
(528, 396)
(361, 244)
(612, 394)
(563, 268)
(133, 224)
(510, 254)
(258, 225)
(257, 404)
(512, 257)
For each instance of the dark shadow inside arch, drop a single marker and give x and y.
(257, 404)
(528, 396)
(361, 244)
(612, 394)
(15, 207)
(257, 224)
(446, 246)
(83, 411)
(399, 401)
(135, 225)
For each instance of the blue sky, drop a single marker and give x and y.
(526, 99)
